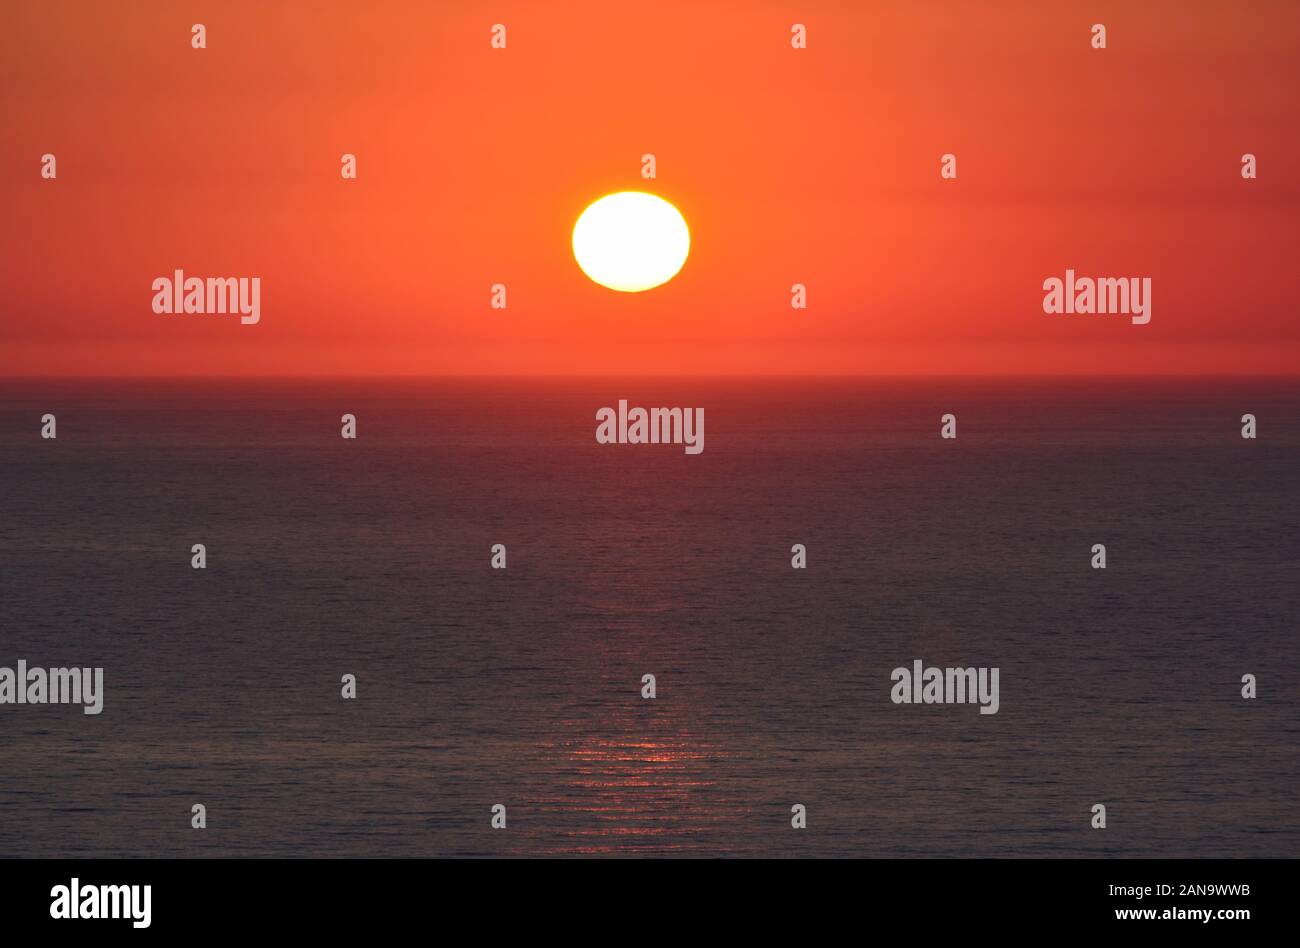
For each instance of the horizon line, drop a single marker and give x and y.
(1038, 376)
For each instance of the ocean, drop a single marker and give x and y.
(477, 686)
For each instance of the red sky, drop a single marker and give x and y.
(818, 166)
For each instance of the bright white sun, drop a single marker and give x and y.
(631, 241)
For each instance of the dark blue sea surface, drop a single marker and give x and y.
(476, 686)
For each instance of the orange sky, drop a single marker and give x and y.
(818, 166)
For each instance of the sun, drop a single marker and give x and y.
(631, 241)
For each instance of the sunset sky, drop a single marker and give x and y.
(818, 166)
